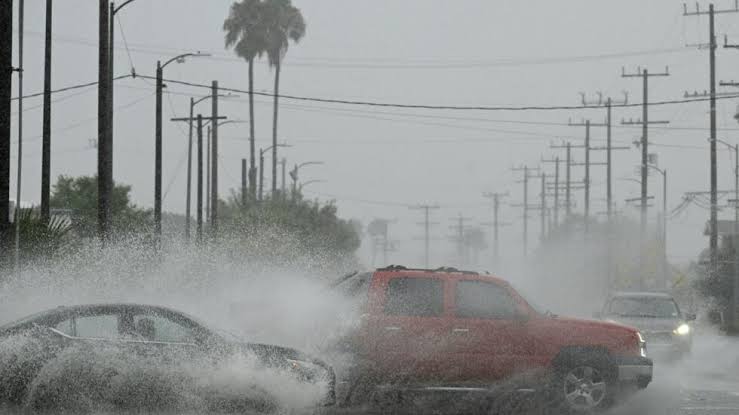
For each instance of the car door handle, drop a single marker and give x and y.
(460, 331)
(392, 328)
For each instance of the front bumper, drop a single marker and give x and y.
(635, 369)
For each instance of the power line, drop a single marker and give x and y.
(444, 107)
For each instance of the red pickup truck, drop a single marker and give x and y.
(449, 330)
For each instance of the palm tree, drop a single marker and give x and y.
(247, 34)
(284, 23)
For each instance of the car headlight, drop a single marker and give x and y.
(642, 345)
(682, 330)
(305, 370)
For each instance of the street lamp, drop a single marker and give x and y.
(663, 172)
(296, 169)
(302, 185)
(735, 285)
(261, 167)
(158, 140)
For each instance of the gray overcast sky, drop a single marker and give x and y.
(471, 52)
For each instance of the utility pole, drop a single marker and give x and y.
(556, 162)
(199, 207)
(283, 162)
(735, 286)
(496, 197)
(526, 207)
(459, 237)
(645, 75)
(543, 205)
(6, 76)
(426, 229)
(569, 162)
(243, 183)
(158, 158)
(207, 175)
(214, 156)
(587, 124)
(189, 171)
(608, 104)
(190, 121)
(19, 181)
(46, 134)
(105, 175)
(713, 241)
(261, 174)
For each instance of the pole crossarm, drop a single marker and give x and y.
(585, 123)
(642, 72)
(706, 94)
(699, 12)
(188, 119)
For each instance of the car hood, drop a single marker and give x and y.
(270, 353)
(584, 324)
(648, 323)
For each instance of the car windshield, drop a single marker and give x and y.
(644, 307)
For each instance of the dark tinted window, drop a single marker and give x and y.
(152, 327)
(644, 307)
(480, 299)
(415, 297)
(103, 326)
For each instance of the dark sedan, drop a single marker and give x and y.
(145, 336)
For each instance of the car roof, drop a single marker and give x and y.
(85, 307)
(442, 272)
(640, 294)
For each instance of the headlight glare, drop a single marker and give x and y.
(682, 330)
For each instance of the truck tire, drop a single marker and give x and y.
(583, 383)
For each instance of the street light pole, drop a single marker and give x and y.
(261, 168)
(158, 139)
(296, 169)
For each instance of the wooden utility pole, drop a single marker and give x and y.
(243, 183)
(459, 238)
(608, 104)
(46, 134)
(496, 197)
(6, 76)
(199, 207)
(713, 241)
(525, 205)
(644, 144)
(105, 174)
(190, 120)
(587, 124)
(214, 162)
(426, 230)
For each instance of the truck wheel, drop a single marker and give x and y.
(584, 386)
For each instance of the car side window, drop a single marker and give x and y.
(417, 297)
(66, 327)
(485, 300)
(154, 327)
(101, 326)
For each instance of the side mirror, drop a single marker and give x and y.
(690, 317)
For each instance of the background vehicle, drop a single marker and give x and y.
(455, 331)
(160, 335)
(657, 316)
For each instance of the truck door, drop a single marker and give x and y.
(409, 328)
(488, 330)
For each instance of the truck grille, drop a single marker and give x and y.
(656, 337)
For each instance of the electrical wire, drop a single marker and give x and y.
(446, 107)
